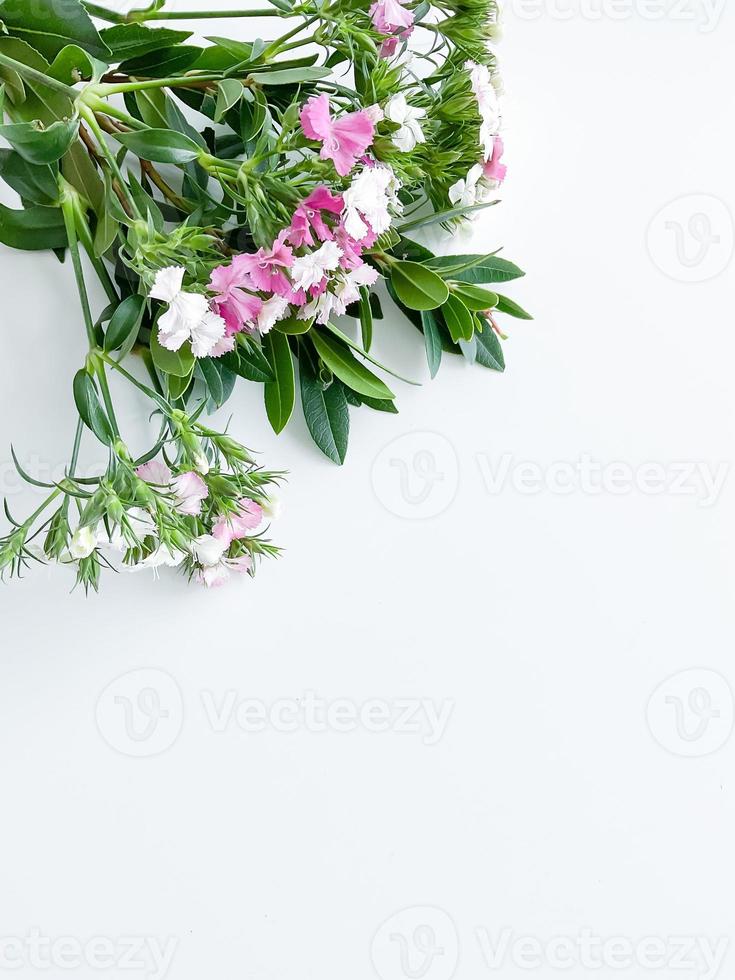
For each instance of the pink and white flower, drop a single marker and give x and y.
(310, 270)
(231, 527)
(308, 217)
(488, 105)
(189, 491)
(391, 17)
(344, 139)
(265, 267)
(188, 316)
(236, 304)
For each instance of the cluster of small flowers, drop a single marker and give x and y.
(314, 268)
(211, 555)
(490, 172)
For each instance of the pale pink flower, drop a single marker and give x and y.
(494, 170)
(209, 550)
(155, 472)
(245, 520)
(390, 16)
(189, 491)
(343, 139)
(236, 305)
(308, 217)
(265, 267)
(224, 346)
(216, 575)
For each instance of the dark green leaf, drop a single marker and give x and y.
(418, 287)
(32, 229)
(89, 407)
(160, 146)
(325, 411)
(491, 269)
(366, 318)
(340, 359)
(165, 63)
(249, 362)
(135, 40)
(212, 379)
(125, 323)
(280, 394)
(289, 76)
(48, 27)
(489, 350)
(39, 185)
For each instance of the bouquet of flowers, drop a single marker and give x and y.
(239, 203)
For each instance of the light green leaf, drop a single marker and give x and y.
(177, 362)
(432, 341)
(476, 298)
(512, 308)
(125, 323)
(289, 76)
(340, 360)
(39, 144)
(458, 319)
(417, 287)
(489, 349)
(160, 146)
(229, 93)
(134, 40)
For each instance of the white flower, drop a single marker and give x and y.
(309, 270)
(273, 507)
(83, 543)
(474, 189)
(161, 557)
(207, 334)
(367, 200)
(273, 310)
(209, 550)
(410, 133)
(488, 105)
(347, 289)
(188, 316)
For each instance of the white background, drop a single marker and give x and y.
(557, 799)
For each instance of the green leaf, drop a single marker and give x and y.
(160, 146)
(135, 40)
(417, 287)
(342, 362)
(212, 379)
(49, 27)
(32, 229)
(72, 64)
(432, 341)
(325, 411)
(476, 298)
(512, 308)
(89, 407)
(125, 323)
(491, 269)
(292, 326)
(489, 350)
(289, 76)
(366, 318)
(447, 215)
(280, 394)
(458, 319)
(177, 362)
(249, 362)
(163, 64)
(229, 93)
(38, 185)
(38, 144)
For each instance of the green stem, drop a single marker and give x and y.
(143, 15)
(107, 397)
(88, 115)
(33, 75)
(75, 450)
(67, 208)
(278, 45)
(42, 508)
(85, 237)
(106, 89)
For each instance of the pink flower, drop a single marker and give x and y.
(189, 492)
(237, 307)
(265, 267)
(344, 139)
(155, 472)
(390, 16)
(230, 527)
(308, 217)
(494, 169)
